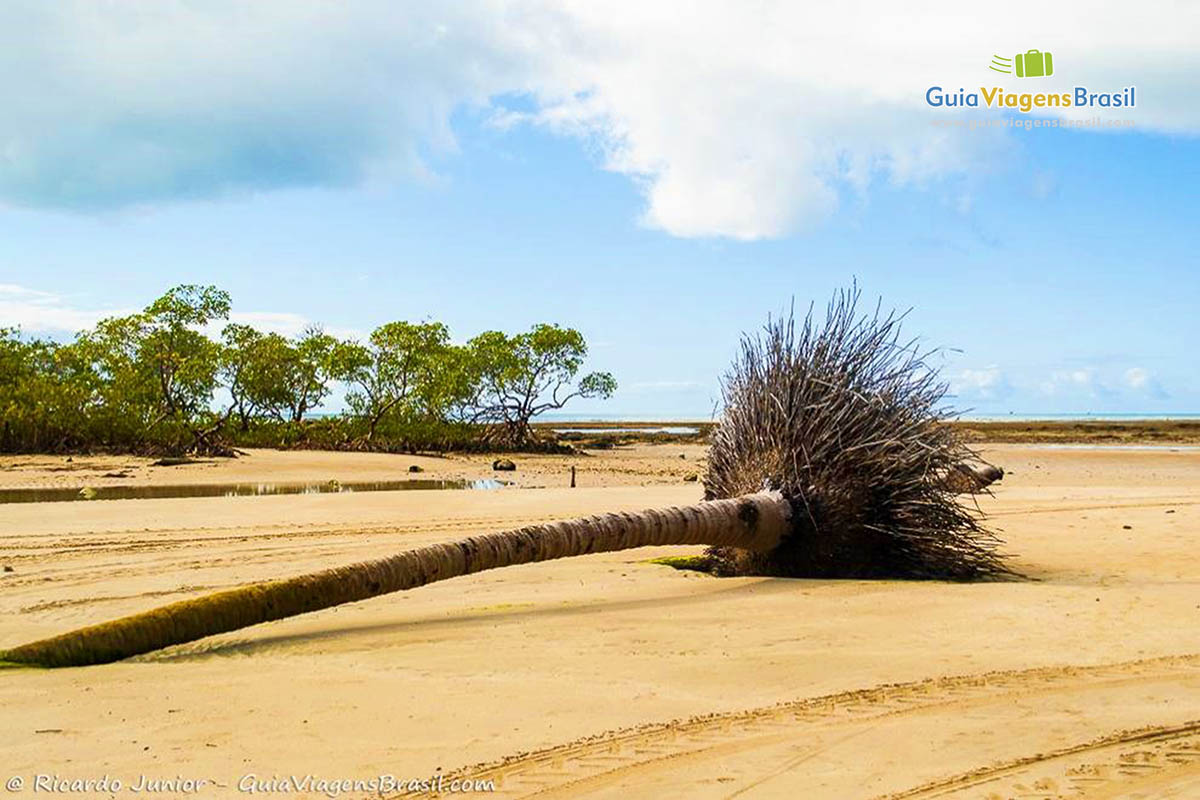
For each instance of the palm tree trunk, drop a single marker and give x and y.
(753, 522)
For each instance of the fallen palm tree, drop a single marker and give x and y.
(846, 419)
(831, 459)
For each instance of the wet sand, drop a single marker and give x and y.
(606, 675)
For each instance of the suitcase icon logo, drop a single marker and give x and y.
(1030, 64)
(1034, 64)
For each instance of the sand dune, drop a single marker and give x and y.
(606, 675)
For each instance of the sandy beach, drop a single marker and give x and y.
(622, 401)
(608, 675)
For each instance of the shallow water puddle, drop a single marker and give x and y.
(670, 429)
(233, 490)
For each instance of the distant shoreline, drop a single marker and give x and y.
(561, 419)
(1087, 430)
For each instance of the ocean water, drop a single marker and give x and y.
(1013, 417)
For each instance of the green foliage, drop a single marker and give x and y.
(131, 382)
(409, 375)
(149, 382)
(519, 377)
(152, 375)
(43, 397)
(181, 361)
(242, 367)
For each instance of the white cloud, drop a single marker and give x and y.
(117, 104)
(1136, 377)
(1111, 382)
(40, 312)
(1077, 379)
(734, 119)
(1081, 377)
(744, 120)
(13, 290)
(1144, 382)
(988, 383)
(286, 323)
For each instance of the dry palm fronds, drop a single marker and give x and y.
(845, 418)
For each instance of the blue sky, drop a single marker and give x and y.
(1061, 264)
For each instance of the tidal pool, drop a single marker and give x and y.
(58, 495)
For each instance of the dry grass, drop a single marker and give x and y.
(1133, 431)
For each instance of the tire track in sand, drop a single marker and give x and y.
(1158, 503)
(805, 730)
(1158, 762)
